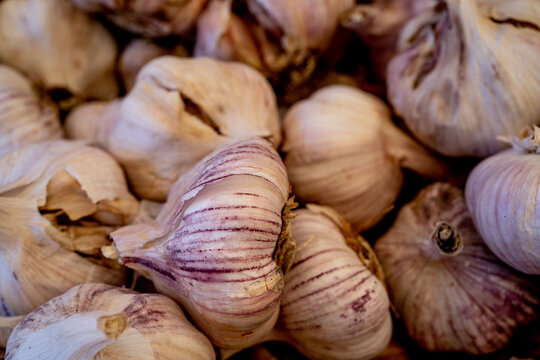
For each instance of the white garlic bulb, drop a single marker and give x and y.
(58, 46)
(333, 306)
(179, 111)
(24, 118)
(58, 200)
(466, 72)
(451, 292)
(213, 245)
(342, 150)
(98, 321)
(150, 18)
(503, 195)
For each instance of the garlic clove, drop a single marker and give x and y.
(466, 72)
(175, 115)
(451, 292)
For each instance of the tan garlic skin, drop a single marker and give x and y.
(342, 150)
(450, 290)
(138, 326)
(179, 111)
(58, 46)
(466, 72)
(333, 306)
(212, 245)
(24, 118)
(503, 196)
(150, 18)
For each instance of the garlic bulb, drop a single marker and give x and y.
(212, 246)
(98, 321)
(179, 111)
(150, 18)
(451, 292)
(342, 150)
(467, 72)
(503, 195)
(24, 118)
(333, 306)
(58, 202)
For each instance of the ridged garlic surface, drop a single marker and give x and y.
(58, 46)
(58, 202)
(342, 150)
(98, 321)
(24, 118)
(212, 246)
(503, 196)
(450, 290)
(180, 110)
(150, 18)
(466, 72)
(333, 306)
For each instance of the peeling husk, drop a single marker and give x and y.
(177, 113)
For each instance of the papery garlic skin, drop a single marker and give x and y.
(150, 18)
(106, 322)
(179, 111)
(342, 150)
(456, 296)
(212, 245)
(24, 118)
(333, 307)
(467, 72)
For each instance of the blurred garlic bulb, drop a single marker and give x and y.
(24, 118)
(333, 305)
(503, 195)
(98, 321)
(150, 18)
(179, 111)
(451, 292)
(342, 150)
(467, 72)
(58, 46)
(58, 202)
(213, 245)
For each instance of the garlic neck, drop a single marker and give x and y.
(447, 239)
(9, 322)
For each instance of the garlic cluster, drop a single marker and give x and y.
(342, 150)
(466, 72)
(24, 118)
(150, 18)
(59, 47)
(213, 245)
(503, 195)
(449, 289)
(179, 111)
(98, 321)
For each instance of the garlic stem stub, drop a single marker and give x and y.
(503, 196)
(179, 111)
(214, 245)
(24, 117)
(343, 151)
(59, 47)
(450, 290)
(466, 72)
(98, 321)
(333, 305)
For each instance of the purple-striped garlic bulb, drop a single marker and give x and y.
(180, 110)
(334, 304)
(213, 245)
(503, 196)
(450, 290)
(98, 321)
(342, 150)
(24, 117)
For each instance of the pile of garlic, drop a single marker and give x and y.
(215, 179)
